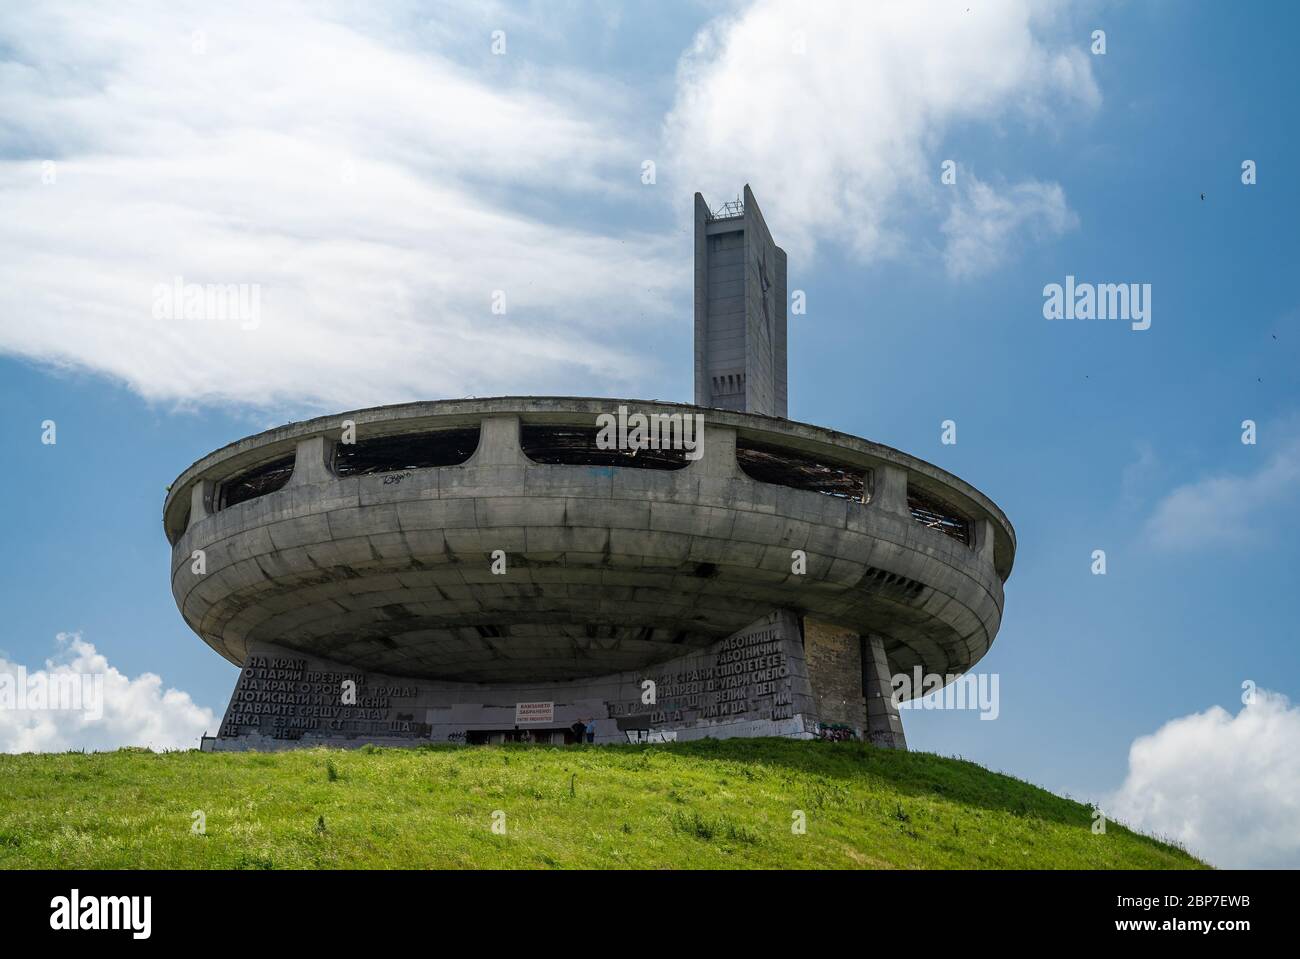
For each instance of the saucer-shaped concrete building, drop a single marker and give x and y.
(498, 569)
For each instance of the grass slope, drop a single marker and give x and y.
(704, 804)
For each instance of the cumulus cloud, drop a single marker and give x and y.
(79, 701)
(833, 137)
(1225, 786)
(1230, 508)
(353, 171)
(382, 182)
(984, 224)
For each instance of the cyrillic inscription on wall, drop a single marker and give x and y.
(283, 698)
(746, 676)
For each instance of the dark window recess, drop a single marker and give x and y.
(782, 467)
(576, 446)
(410, 451)
(256, 482)
(728, 384)
(935, 513)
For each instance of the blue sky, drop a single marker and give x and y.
(379, 174)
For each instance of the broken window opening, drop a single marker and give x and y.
(256, 482)
(935, 513)
(576, 446)
(409, 451)
(783, 467)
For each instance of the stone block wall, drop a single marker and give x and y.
(851, 685)
(834, 659)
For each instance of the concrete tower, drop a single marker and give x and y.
(740, 298)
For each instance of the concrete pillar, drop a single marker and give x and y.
(310, 465)
(201, 504)
(884, 726)
(498, 443)
(719, 459)
(890, 493)
(984, 539)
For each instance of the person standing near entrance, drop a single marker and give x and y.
(591, 730)
(578, 729)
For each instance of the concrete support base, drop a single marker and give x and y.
(850, 679)
(753, 683)
(884, 726)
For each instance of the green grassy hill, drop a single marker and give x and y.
(690, 805)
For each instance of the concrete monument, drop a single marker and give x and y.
(499, 569)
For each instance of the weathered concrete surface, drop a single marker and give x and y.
(608, 568)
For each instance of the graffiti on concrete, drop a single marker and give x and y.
(836, 732)
(651, 735)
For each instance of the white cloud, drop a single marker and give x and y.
(832, 139)
(1227, 787)
(378, 174)
(1228, 509)
(112, 710)
(984, 224)
(356, 171)
(1138, 475)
